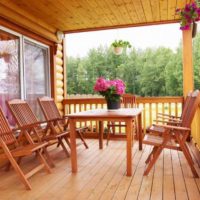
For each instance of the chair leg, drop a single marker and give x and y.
(16, 167)
(67, 141)
(83, 140)
(43, 161)
(8, 166)
(152, 162)
(191, 163)
(48, 157)
(21, 174)
(188, 152)
(152, 152)
(63, 146)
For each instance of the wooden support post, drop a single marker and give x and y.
(188, 76)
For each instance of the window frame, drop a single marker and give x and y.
(22, 83)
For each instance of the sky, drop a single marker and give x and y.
(78, 44)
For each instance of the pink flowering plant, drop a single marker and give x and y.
(188, 14)
(110, 89)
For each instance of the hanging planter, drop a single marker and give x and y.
(194, 29)
(119, 46)
(188, 17)
(117, 50)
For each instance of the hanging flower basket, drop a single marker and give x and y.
(119, 46)
(188, 16)
(117, 50)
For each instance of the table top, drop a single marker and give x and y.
(102, 113)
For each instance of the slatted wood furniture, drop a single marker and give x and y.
(173, 137)
(161, 117)
(51, 112)
(128, 101)
(24, 115)
(12, 150)
(122, 115)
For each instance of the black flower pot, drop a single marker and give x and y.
(113, 105)
(194, 29)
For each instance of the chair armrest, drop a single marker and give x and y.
(167, 115)
(169, 122)
(33, 125)
(173, 127)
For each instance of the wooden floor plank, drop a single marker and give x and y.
(103, 185)
(77, 181)
(90, 187)
(146, 186)
(168, 179)
(125, 182)
(135, 185)
(191, 185)
(179, 182)
(47, 180)
(102, 176)
(157, 187)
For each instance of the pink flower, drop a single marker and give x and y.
(110, 89)
(101, 85)
(188, 14)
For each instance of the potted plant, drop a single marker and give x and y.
(6, 56)
(119, 45)
(111, 90)
(189, 15)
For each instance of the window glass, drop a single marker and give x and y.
(36, 73)
(9, 70)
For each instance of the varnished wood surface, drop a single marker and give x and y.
(127, 115)
(102, 176)
(83, 15)
(104, 113)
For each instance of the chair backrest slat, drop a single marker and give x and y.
(5, 131)
(22, 112)
(186, 104)
(49, 108)
(129, 100)
(192, 107)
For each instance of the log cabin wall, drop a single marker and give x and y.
(59, 77)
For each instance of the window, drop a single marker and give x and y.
(36, 73)
(24, 70)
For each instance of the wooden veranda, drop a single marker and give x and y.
(46, 21)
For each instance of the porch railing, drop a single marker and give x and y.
(151, 106)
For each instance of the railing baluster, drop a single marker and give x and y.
(176, 109)
(170, 108)
(150, 113)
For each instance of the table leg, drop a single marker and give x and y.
(129, 147)
(72, 123)
(140, 130)
(100, 135)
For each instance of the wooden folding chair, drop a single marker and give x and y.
(12, 150)
(24, 115)
(51, 112)
(173, 137)
(162, 117)
(128, 101)
(171, 119)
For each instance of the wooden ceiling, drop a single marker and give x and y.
(45, 17)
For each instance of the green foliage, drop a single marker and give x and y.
(121, 43)
(149, 72)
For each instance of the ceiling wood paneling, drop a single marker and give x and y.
(82, 15)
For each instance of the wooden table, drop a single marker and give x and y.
(126, 115)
